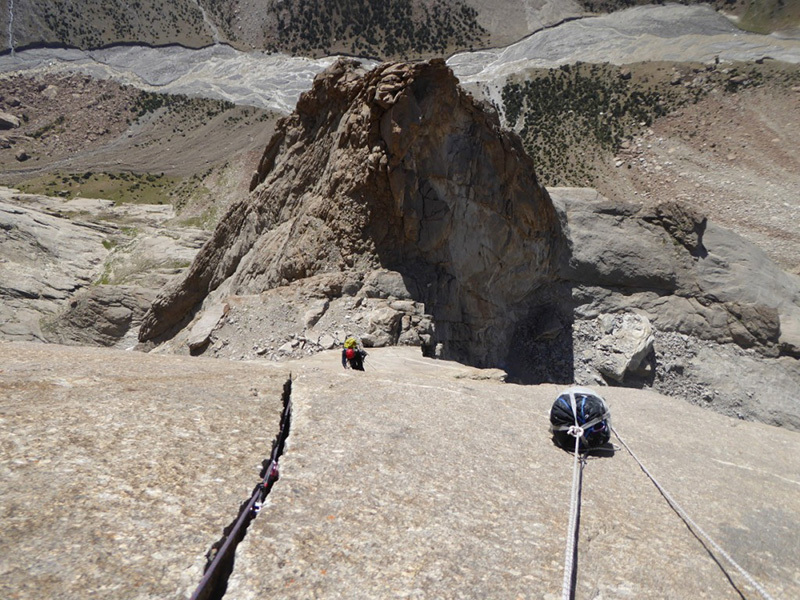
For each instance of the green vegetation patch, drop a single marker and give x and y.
(390, 28)
(135, 188)
(148, 102)
(194, 203)
(96, 24)
(55, 126)
(574, 116)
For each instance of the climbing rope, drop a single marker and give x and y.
(245, 516)
(214, 570)
(576, 431)
(694, 526)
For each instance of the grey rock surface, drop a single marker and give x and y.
(721, 288)
(84, 270)
(45, 259)
(724, 316)
(203, 328)
(120, 470)
(100, 315)
(415, 479)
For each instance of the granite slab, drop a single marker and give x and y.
(119, 470)
(425, 479)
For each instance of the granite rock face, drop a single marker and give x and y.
(420, 478)
(396, 169)
(120, 470)
(445, 486)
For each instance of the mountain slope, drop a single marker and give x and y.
(396, 168)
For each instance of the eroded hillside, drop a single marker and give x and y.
(73, 135)
(717, 137)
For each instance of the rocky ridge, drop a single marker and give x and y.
(579, 288)
(393, 169)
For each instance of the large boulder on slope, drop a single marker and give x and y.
(100, 315)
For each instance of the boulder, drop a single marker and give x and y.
(628, 340)
(8, 121)
(384, 326)
(315, 311)
(385, 284)
(202, 329)
(100, 315)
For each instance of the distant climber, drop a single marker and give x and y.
(353, 354)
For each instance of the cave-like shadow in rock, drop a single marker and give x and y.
(541, 349)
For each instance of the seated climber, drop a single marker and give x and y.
(353, 354)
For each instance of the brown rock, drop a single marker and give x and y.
(396, 167)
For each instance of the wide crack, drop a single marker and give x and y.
(222, 554)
